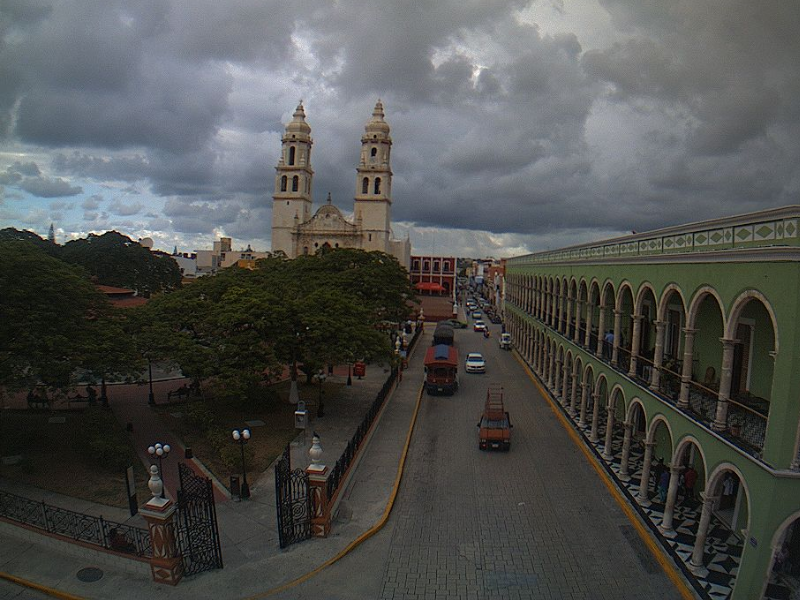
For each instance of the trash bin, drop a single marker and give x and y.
(188, 453)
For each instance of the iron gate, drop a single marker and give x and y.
(197, 531)
(293, 502)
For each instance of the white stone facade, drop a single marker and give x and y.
(295, 231)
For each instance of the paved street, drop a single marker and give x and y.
(535, 522)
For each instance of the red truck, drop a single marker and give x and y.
(441, 370)
(494, 428)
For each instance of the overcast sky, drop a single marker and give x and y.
(517, 126)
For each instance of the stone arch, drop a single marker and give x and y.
(698, 297)
(623, 287)
(612, 420)
(664, 298)
(786, 536)
(738, 306)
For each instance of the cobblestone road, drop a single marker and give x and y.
(535, 522)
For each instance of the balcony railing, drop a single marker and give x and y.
(747, 414)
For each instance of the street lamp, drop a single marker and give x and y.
(349, 374)
(242, 438)
(151, 399)
(160, 451)
(321, 377)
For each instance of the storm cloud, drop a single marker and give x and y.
(518, 125)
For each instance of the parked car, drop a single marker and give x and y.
(475, 363)
(479, 326)
(455, 323)
(495, 319)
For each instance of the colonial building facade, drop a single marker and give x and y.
(295, 231)
(683, 345)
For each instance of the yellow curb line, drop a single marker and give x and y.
(370, 532)
(666, 564)
(38, 587)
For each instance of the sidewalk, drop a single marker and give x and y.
(253, 561)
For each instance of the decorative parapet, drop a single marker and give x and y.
(770, 228)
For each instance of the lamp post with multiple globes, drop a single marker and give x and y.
(242, 438)
(160, 452)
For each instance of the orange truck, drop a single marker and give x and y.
(494, 428)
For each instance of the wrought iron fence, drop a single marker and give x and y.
(346, 459)
(76, 526)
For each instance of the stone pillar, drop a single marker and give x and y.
(617, 333)
(562, 323)
(589, 317)
(573, 400)
(552, 367)
(569, 302)
(637, 336)
(686, 371)
(626, 450)
(726, 375)
(607, 454)
(658, 356)
(584, 402)
(601, 326)
(644, 483)
(557, 383)
(696, 563)
(565, 383)
(166, 565)
(578, 310)
(318, 493)
(593, 437)
(672, 497)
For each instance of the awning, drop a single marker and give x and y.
(429, 286)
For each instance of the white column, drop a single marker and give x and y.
(607, 454)
(593, 436)
(696, 563)
(637, 334)
(589, 317)
(626, 450)
(578, 310)
(726, 375)
(573, 400)
(644, 483)
(658, 356)
(686, 371)
(584, 402)
(672, 496)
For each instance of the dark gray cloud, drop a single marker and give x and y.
(532, 129)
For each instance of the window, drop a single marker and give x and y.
(374, 152)
(364, 185)
(369, 237)
(436, 265)
(305, 250)
(415, 266)
(291, 155)
(426, 266)
(295, 183)
(284, 183)
(377, 185)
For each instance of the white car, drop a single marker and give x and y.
(475, 363)
(479, 326)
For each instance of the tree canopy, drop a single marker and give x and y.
(243, 326)
(116, 260)
(50, 313)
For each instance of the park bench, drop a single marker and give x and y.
(182, 392)
(76, 398)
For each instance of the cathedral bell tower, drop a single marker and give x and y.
(292, 198)
(373, 199)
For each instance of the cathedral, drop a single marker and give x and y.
(295, 231)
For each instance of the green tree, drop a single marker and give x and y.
(49, 316)
(116, 260)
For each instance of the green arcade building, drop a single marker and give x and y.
(676, 353)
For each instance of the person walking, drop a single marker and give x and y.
(608, 344)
